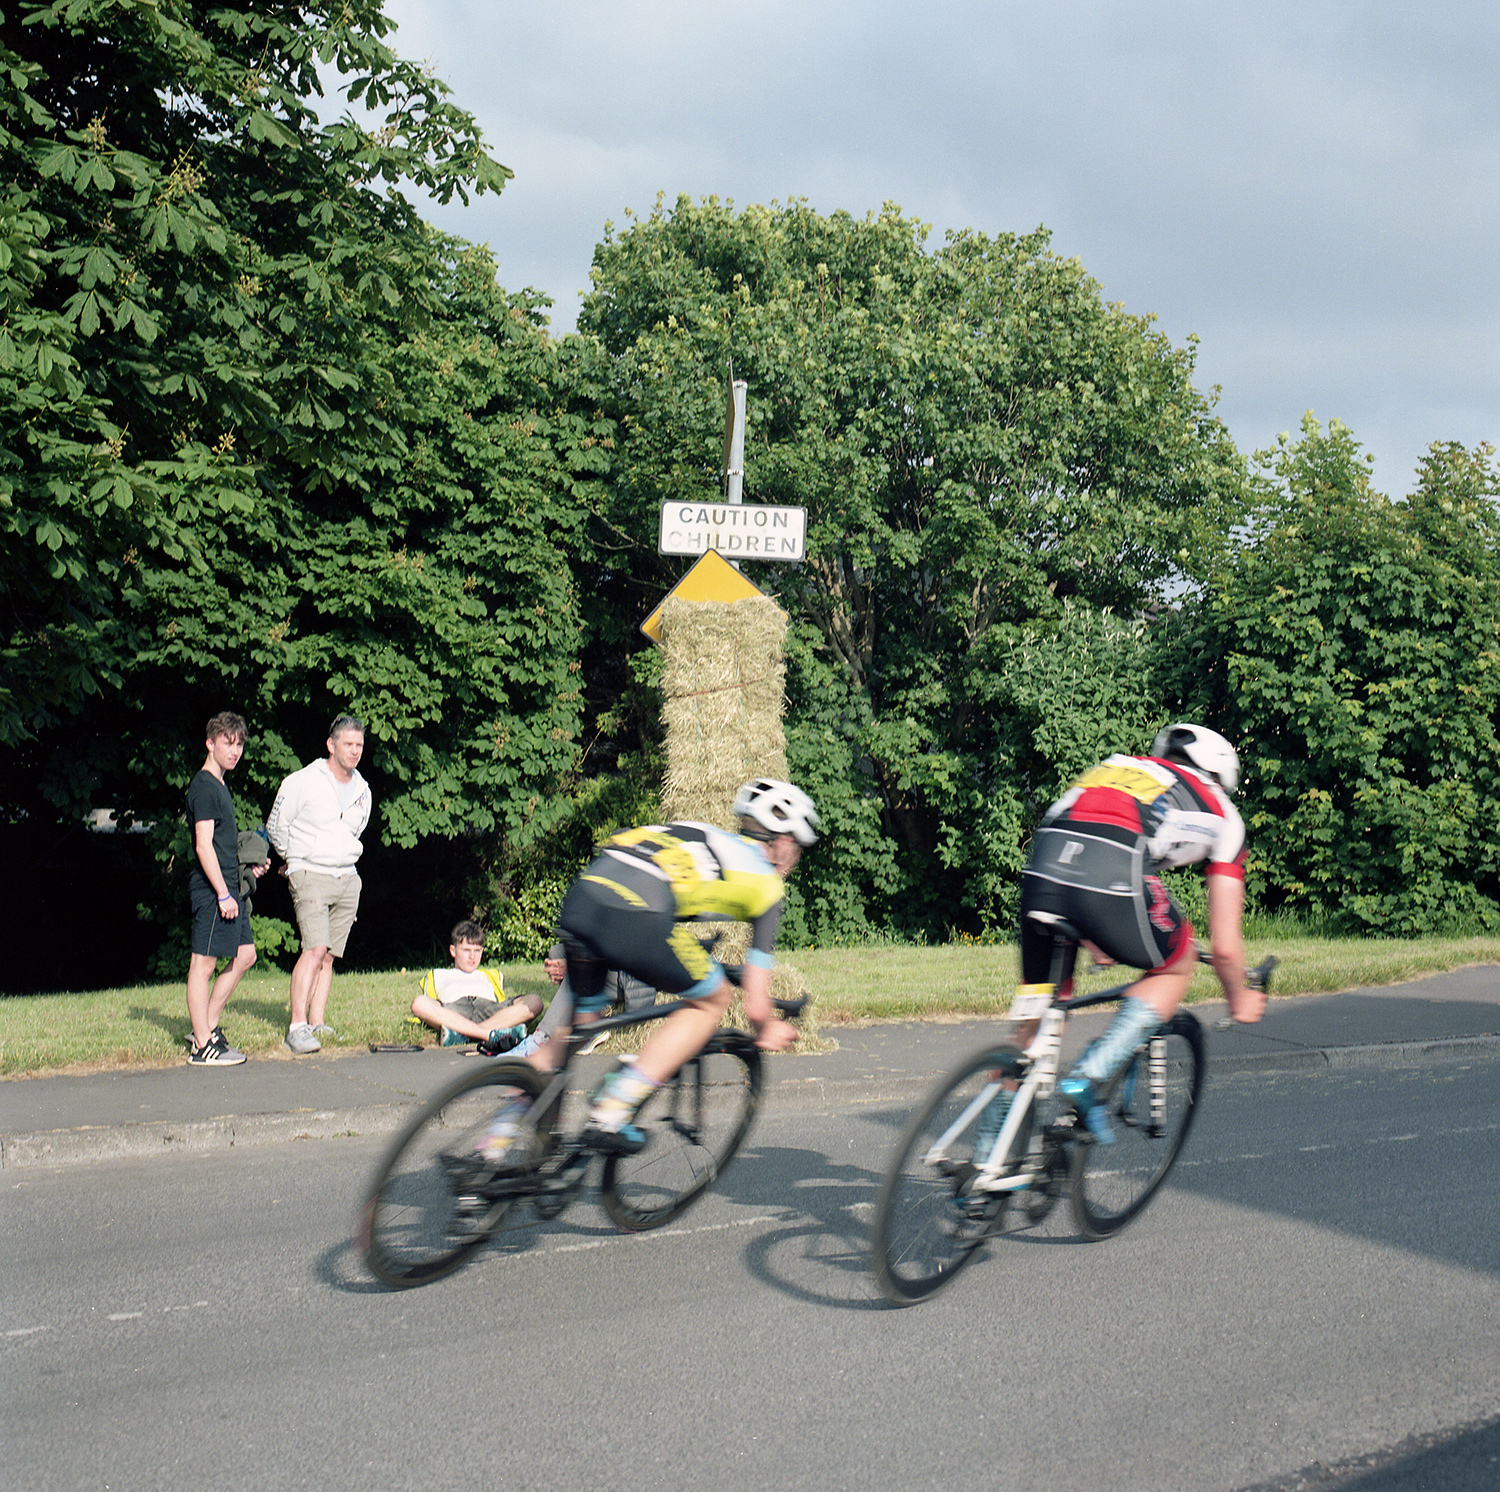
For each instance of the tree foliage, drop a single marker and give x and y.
(267, 440)
(977, 437)
(1352, 648)
(188, 258)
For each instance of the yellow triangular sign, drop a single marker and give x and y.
(711, 579)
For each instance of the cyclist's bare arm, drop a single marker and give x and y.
(1226, 909)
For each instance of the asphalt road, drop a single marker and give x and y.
(1312, 1302)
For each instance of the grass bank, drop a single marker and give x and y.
(147, 1025)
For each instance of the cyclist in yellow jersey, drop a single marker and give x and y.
(633, 909)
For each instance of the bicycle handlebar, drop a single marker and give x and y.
(1257, 978)
(791, 1009)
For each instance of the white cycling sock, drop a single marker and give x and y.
(1135, 1021)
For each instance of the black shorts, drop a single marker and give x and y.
(212, 934)
(1096, 876)
(619, 915)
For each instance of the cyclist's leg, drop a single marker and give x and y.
(1146, 929)
(666, 954)
(1040, 967)
(681, 965)
(504, 1145)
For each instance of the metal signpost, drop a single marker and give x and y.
(734, 529)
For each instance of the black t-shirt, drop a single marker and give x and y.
(208, 798)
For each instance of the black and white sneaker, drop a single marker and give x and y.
(215, 1052)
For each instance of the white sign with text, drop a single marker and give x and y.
(738, 531)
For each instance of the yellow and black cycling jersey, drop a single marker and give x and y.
(712, 872)
(634, 905)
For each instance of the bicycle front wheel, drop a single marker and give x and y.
(1151, 1103)
(424, 1213)
(924, 1228)
(694, 1123)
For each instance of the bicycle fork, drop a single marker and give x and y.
(1155, 1053)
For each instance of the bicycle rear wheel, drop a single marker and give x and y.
(694, 1123)
(424, 1214)
(1151, 1103)
(925, 1227)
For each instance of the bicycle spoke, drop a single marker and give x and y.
(430, 1206)
(693, 1125)
(928, 1222)
(1151, 1106)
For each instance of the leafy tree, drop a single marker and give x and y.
(1353, 650)
(268, 440)
(187, 258)
(977, 437)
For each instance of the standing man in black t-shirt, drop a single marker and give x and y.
(221, 926)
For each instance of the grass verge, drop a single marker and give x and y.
(147, 1025)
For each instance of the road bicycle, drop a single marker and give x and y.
(960, 1175)
(432, 1203)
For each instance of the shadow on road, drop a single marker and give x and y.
(821, 1254)
(1466, 1459)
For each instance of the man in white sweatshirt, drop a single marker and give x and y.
(315, 825)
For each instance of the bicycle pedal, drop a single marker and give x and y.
(979, 1216)
(468, 1216)
(961, 1171)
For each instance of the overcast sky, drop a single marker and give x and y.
(1311, 188)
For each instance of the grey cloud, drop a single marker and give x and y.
(1314, 189)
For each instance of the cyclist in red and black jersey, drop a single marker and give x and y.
(1096, 861)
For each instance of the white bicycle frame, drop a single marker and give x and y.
(1041, 1078)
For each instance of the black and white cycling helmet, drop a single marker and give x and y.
(779, 808)
(1202, 748)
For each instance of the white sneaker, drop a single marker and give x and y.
(301, 1040)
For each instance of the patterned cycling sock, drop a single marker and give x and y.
(619, 1096)
(500, 1133)
(991, 1122)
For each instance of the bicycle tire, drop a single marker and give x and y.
(1112, 1183)
(694, 1123)
(923, 1234)
(414, 1226)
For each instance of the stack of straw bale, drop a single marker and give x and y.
(724, 682)
(724, 678)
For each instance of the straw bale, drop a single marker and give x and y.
(724, 688)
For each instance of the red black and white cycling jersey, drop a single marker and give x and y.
(1183, 815)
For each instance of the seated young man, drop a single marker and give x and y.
(467, 1003)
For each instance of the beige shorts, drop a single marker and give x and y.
(326, 908)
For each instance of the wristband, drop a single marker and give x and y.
(226, 897)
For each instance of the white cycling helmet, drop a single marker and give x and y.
(779, 808)
(1202, 748)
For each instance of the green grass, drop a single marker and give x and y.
(147, 1025)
